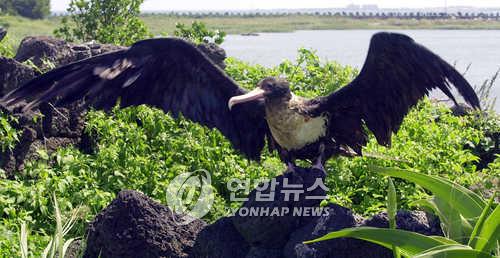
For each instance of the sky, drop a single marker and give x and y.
(162, 5)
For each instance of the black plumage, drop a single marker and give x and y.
(175, 76)
(397, 73)
(171, 74)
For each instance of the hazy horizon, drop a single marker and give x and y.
(200, 5)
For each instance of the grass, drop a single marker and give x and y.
(161, 24)
(19, 27)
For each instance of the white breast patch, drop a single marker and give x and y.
(309, 132)
(293, 131)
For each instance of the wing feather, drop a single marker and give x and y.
(397, 73)
(170, 74)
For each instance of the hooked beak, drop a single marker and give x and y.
(257, 93)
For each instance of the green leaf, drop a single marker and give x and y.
(454, 226)
(391, 211)
(480, 222)
(452, 251)
(67, 244)
(58, 235)
(23, 240)
(489, 232)
(466, 202)
(43, 154)
(391, 204)
(409, 243)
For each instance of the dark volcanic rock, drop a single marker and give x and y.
(220, 240)
(272, 232)
(61, 122)
(215, 53)
(52, 129)
(135, 226)
(416, 221)
(42, 48)
(258, 252)
(461, 110)
(75, 249)
(45, 51)
(57, 51)
(340, 218)
(13, 74)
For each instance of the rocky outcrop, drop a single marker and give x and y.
(13, 74)
(260, 231)
(47, 52)
(135, 226)
(46, 129)
(220, 239)
(339, 218)
(215, 53)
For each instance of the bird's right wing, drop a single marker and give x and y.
(170, 74)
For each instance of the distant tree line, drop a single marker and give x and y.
(356, 15)
(34, 9)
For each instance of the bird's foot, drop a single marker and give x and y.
(347, 152)
(319, 164)
(319, 161)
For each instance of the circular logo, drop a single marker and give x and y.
(190, 196)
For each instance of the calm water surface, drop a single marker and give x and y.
(478, 48)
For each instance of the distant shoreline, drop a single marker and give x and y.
(19, 28)
(290, 23)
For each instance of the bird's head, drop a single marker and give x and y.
(269, 89)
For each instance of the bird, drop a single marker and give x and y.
(173, 75)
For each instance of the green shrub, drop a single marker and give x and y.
(105, 21)
(198, 33)
(307, 75)
(8, 135)
(6, 48)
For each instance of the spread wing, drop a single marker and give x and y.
(397, 73)
(170, 74)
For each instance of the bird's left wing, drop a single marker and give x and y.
(170, 74)
(397, 73)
